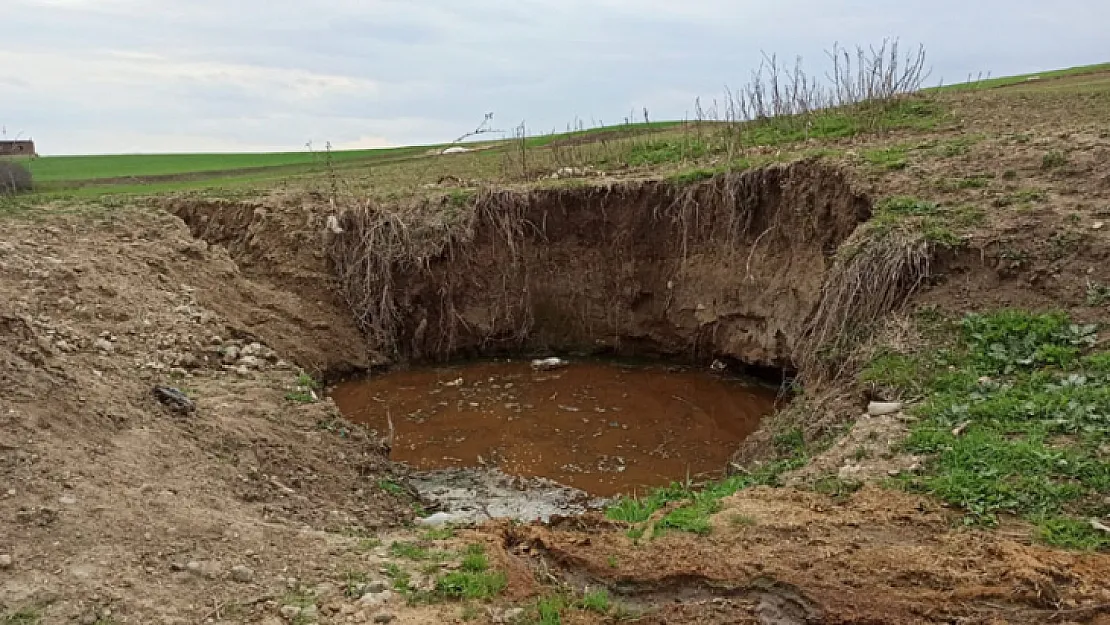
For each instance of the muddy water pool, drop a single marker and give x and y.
(604, 428)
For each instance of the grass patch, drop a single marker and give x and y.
(596, 601)
(471, 585)
(1021, 198)
(549, 610)
(890, 159)
(836, 487)
(659, 152)
(1097, 294)
(1018, 405)
(692, 176)
(367, 544)
(304, 390)
(353, 583)
(23, 616)
(692, 507)
(391, 487)
(474, 580)
(417, 552)
(742, 520)
(299, 597)
(938, 224)
(1005, 81)
(980, 181)
(474, 559)
(399, 576)
(439, 533)
(1054, 160)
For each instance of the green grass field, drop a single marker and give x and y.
(62, 169)
(666, 143)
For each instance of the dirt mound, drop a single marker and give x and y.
(728, 267)
(782, 556)
(278, 243)
(107, 494)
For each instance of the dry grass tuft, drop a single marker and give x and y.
(875, 273)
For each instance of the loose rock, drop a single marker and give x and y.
(377, 586)
(5, 561)
(376, 599)
(879, 408)
(290, 612)
(174, 399)
(383, 617)
(242, 574)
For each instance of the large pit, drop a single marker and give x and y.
(733, 268)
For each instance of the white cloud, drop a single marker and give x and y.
(166, 75)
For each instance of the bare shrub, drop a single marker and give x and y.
(15, 178)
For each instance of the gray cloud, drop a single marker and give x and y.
(157, 75)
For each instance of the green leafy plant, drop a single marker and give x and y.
(1015, 407)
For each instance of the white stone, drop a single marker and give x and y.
(880, 408)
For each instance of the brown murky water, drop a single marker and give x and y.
(600, 427)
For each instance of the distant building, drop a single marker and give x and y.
(20, 147)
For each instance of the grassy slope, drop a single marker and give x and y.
(1005, 81)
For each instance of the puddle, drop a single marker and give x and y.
(601, 428)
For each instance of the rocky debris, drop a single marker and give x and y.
(374, 599)
(574, 172)
(383, 617)
(290, 612)
(207, 570)
(5, 561)
(242, 574)
(174, 399)
(507, 616)
(377, 586)
(466, 496)
(67, 500)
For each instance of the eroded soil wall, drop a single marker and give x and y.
(727, 267)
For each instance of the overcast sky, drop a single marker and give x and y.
(120, 76)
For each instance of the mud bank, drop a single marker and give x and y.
(728, 267)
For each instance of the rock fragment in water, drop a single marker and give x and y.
(549, 364)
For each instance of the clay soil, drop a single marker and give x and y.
(116, 509)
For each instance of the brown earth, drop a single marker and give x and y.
(110, 501)
(729, 268)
